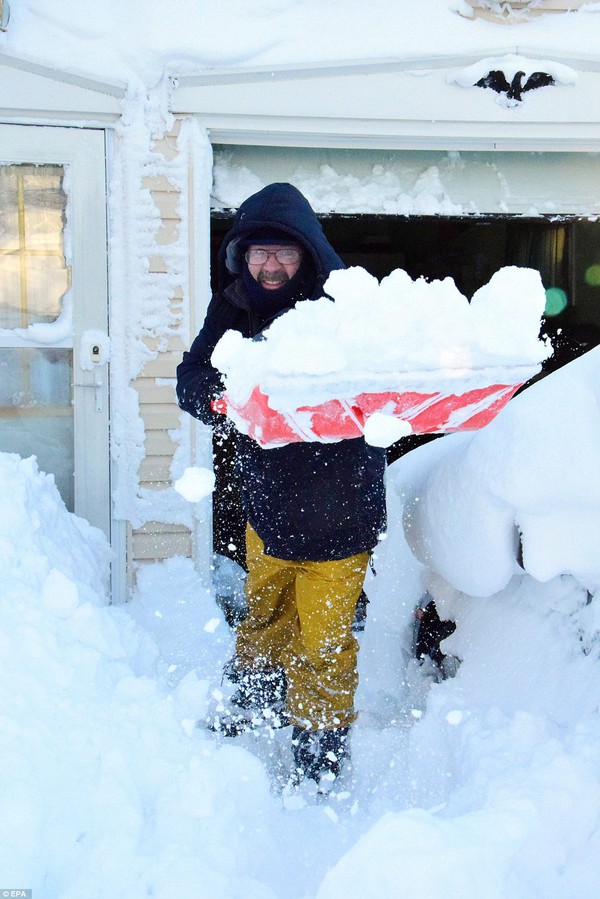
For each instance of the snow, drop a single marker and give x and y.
(416, 335)
(383, 430)
(427, 182)
(96, 40)
(512, 480)
(143, 314)
(484, 785)
(195, 483)
(393, 188)
(56, 332)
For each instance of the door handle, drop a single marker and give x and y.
(96, 385)
(94, 353)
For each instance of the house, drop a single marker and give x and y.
(113, 205)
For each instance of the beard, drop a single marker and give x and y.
(273, 278)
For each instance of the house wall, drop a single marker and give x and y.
(155, 540)
(513, 183)
(321, 108)
(518, 10)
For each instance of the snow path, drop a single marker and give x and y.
(486, 786)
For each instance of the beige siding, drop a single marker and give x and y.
(160, 416)
(157, 265)
(159, 443)
(155, 470)
(156, 382)
(159, 541)
(152, 393)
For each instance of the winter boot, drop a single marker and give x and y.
(320, 754)
(429, 632)
(259, 700)
(233, 608)
(260, 688)
(360, 613)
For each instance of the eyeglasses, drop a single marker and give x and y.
(285, 256)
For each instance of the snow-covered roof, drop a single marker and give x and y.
(137, 42)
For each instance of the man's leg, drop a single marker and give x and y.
(267, 630)
(262, 637)
(321, 660)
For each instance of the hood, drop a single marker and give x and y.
(280, 206)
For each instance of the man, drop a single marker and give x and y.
(314, 510)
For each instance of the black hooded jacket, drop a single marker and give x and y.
(306, 501)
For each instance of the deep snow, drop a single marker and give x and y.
(486, 786)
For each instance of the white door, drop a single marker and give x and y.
(54, 310)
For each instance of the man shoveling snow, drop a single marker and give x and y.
(325, 374)
(314, 511)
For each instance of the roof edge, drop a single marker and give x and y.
(25, 64)
(216, 76)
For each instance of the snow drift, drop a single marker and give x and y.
(531, 476)
(106, 790)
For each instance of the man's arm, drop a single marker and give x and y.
(198, 382)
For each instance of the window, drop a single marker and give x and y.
(34, 275)
(36, 406)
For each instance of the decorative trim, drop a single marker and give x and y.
(513, 91)
(511, 76)
(513, 11)
(344, 68)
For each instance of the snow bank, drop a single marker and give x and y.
(395, 334)
(482, 787)
(390, 188)
(504, 763)
(106, 787)
(532, 472)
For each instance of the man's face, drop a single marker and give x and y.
(281, 263)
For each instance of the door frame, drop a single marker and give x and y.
(83, 151)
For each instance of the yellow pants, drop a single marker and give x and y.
(300, 618)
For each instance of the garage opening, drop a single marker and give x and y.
(469, 249)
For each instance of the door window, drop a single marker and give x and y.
(34, 275)
(36, 403)
(54, 310)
